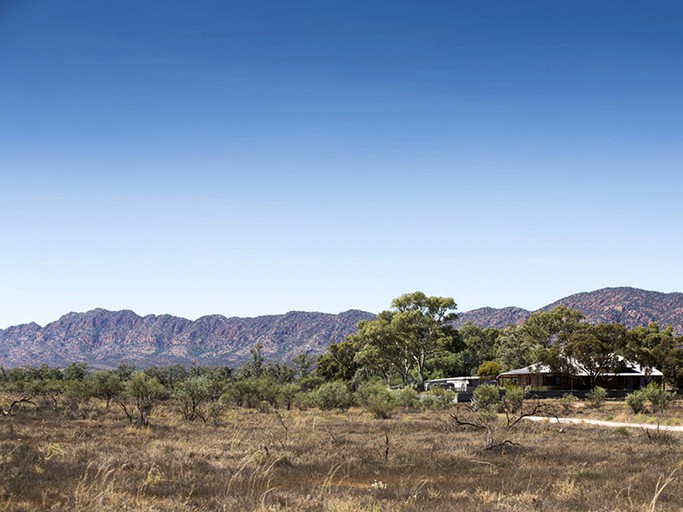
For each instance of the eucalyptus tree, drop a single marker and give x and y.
(546, 328)
(338, 362)
(402, 339)
(594, 350)
(480, 343)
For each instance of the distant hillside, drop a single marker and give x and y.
(492, 317)
(105, 338)
(628, 306)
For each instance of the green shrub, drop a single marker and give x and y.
(376, 398)
(287, 394)
(658, 397)
(191, 395)
(438, 398)
(232, 395)
(214, 412)
(332, 395)
(489, 370)
(513, 399)
(406, 398)
(597, 397)
(303, 400)
(77, 395)
(107, 386)
(251, 392)
(145, 393)
(567, 401)
(637, 401)
(486, 397)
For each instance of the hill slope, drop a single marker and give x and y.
(628, 306)
(493, 317)
(105, 338)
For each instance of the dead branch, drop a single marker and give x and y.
(7, 411)
(512, 421)
(464, 423)
(502, 443)
(386, 445)
(490, 427)
(126, 410)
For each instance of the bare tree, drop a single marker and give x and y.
(497, 414)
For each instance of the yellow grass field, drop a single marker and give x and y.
(312, 460)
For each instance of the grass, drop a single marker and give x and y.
(617, 410)
(326, 461)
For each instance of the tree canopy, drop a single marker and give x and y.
(402, 339)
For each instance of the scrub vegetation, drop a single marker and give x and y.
(313, 459)
(351, 430)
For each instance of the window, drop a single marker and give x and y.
(552, 380)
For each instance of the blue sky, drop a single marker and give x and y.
(250, 158)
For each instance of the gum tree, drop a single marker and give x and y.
(403, 338)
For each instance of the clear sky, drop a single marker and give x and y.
(248, 158)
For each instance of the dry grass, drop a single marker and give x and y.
(311, 460)
(617, 410)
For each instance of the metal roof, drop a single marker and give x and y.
(631, 370)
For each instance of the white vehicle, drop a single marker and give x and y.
(457, 384)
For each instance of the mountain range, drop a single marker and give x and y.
(630, 307)
(106, 338)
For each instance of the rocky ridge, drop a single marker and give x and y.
(106, 338)
(630, 307)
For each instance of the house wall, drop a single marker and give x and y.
(562, 382)
(629, 382)
(527, 380)
(538, 381)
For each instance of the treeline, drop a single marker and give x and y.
(201, 392)
(403, 347)
(414, 341)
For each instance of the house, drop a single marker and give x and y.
(630, 377)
